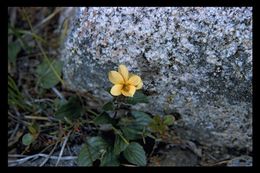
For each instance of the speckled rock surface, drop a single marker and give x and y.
(178, 157)
(194, 61)
(241, 161)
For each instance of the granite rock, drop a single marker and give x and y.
(196, 62)
(241, 161)
(178, 157)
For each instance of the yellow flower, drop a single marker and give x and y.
(124, 82)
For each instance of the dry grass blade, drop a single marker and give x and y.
(47, 158)
(37, 118)
(62, 148)
(56, 11)
(58, 93)
(27, 158)
(41, 49)
(128, 165)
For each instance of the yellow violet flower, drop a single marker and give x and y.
(124, 82)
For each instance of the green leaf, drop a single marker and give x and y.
(132, 132)
(27, 139)
(157, 125)
(47, 77)
(72, 109)
(84, 158)
(104, 118)
(91, 151)
(57, 103)
(138, 97)
(119, 145)
(97, 143)
(34, 129)
(15, 97)
(168, 120)
(13, 49)
(109, 106)
(135, 154)
(133, 128)
(141, 118)
(109, 159)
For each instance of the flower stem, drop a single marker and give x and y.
(92, 112)
(117, 106)
(119, 133)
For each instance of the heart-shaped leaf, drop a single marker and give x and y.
(141, 118)
(138, 97)
(49, 73)
(132, 132)
(85, 157)
(119, 145)
(91, 151)
(109, 106)
(71, 110)
(109, 159)
(134, 153)
(104, 118)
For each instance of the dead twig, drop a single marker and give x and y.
(47, 158)
(216, 164)
(36, 156)
(37, 118)
(56, 11)
(63, 146)
(38, 25)
(154, 146)
(14, 131)
(43, 100)
(58, 93)
(17, 119)
(128, 165)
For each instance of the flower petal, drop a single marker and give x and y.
(134, 80)
(130, 92)
(116, 90)
(130, 75)
(123, 71)
(115, 77)
(140, 85)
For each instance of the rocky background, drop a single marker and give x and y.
(196, 63)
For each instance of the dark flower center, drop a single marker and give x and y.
(126, 87)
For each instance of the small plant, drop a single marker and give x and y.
(43, 118)
(123, 131)
(30, 137)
